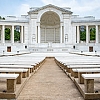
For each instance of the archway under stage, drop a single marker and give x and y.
(50, 27)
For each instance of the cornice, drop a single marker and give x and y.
(50, 6)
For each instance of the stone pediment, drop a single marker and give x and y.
(36, 10)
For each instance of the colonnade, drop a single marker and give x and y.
(12, 28)
(87, 33)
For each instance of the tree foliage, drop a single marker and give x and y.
(92, 34)
(83, 35)
(8, 36)
(2, 18)
(16, 35)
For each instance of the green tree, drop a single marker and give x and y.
(16, 35)
(92, 33)
(83, 35)
(2, 18)
(7, 34)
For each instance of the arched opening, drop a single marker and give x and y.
(50, 27)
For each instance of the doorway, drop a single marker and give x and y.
(90, 49)
(9, 49)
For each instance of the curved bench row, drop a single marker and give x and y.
(16, 75)
(83, 73)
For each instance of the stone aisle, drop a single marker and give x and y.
(50, 83)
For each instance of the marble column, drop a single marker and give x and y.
(61, 33)
(3, 34)
(96, 33)
(78, 34)
(12, 34)
(38, 32)
(87, 34)
(45, 35)
(21, 36)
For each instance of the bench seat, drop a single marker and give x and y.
(90, 76)
(87, 70)
(70, 67)
(89, 82)
(11, 81)
(31, 68)
(12, 70)
(22, 73)
(77, 73)
(9, 76)
(16, 66)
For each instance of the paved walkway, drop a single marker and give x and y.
(50, 83)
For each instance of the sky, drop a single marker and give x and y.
(78, 7)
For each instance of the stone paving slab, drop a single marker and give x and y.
(50, 83)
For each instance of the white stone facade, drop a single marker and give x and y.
(50, 28)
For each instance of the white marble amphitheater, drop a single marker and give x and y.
(49, 29)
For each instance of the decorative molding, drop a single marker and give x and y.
(50, 6)
(50, 18)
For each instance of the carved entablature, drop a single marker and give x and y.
(36, 9)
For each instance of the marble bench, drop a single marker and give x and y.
(81, 62)
(21, 72)
(89, 82)
(70, 67)
(29, 67)
(78, 73)
(67, 67)
(11, 81)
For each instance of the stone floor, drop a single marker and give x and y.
(50, 83)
